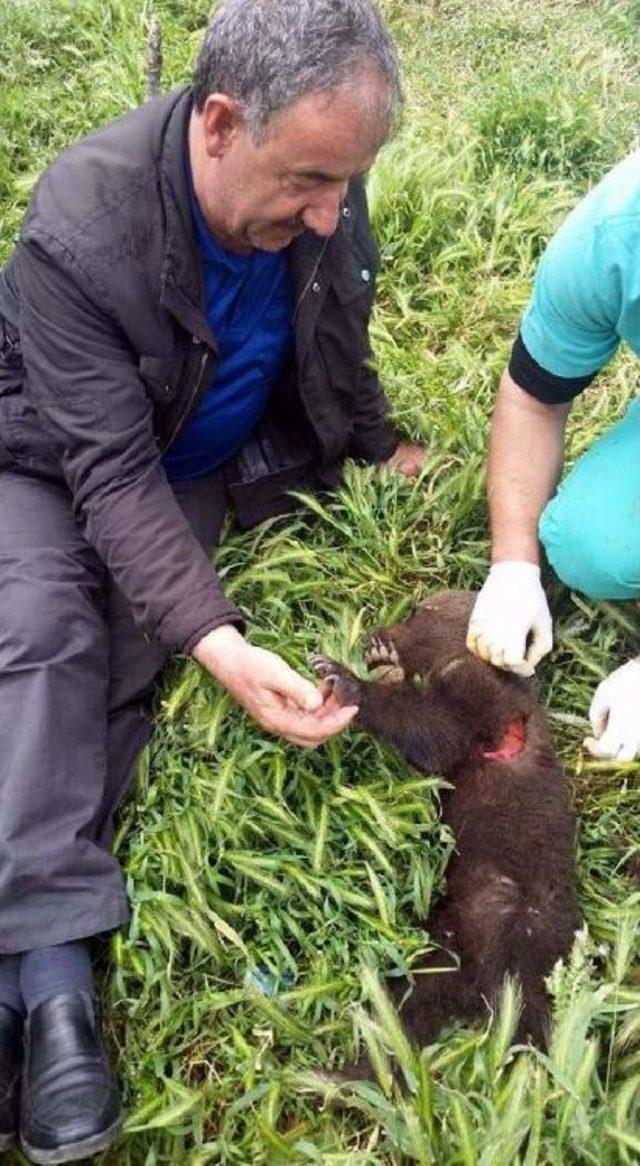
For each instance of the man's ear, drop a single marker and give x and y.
(221, 122)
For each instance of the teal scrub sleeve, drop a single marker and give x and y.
(570, 328)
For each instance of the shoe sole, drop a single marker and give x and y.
(73, 1151)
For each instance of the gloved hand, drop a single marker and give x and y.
(510, 624)
(615, 715)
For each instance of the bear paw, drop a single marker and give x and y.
(344, 685)
(383, 661)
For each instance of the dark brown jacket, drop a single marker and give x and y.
(107, 351)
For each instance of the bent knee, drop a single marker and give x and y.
(45, 620)
(598, 555)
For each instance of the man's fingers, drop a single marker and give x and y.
(285, 703)
(326, 688)
(408, 459)
(329, 708)
(300, 742)
(309, 731)
(302, 693)
(311, 698)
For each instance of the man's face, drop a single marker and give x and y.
(262, 195)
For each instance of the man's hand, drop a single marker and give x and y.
(281, 701)
(408, 459)
(510, 624)
(615, 715)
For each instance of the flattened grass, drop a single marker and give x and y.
(252, 864)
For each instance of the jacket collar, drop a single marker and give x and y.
(181, 289)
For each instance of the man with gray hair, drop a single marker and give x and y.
(184, 325)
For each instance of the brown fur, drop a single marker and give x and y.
(509, 905)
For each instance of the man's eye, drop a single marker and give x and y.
(303, 182)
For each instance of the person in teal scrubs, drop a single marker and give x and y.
(585, 301)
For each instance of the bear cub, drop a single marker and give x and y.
(509, 905)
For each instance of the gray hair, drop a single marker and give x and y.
(267, 54)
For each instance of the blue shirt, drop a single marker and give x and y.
(249, 305)
(586, 295)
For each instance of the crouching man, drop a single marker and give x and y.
(586, 299)
(184, 325)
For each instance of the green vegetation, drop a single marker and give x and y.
(244, 854)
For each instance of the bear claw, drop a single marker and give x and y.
(383, 661)
(327, 669)
(345, 685)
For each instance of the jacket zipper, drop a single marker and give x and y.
(192, 398)
(310, 280)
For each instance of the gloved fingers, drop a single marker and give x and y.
(607, 745)
(622, 728)
(472, 639)
(619, 738)
(507, 654)
(478, 644)
(541, 644)
(597, 747)
(477, 631)
(629, 751)
(610, 747)
(511, 654)
(599, 710)
(516, 663)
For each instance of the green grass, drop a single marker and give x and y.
(242, 852)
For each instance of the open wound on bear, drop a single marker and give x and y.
(509, 907)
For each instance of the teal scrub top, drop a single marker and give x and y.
(586, 294)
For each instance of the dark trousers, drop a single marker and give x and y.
(73, 673)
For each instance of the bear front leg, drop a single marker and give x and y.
(410, 718)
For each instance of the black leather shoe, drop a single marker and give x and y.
(69, 1106)
(11, 1025)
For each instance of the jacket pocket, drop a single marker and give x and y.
(162, 375)
(11, 367)
(24, 439)
(275, 460)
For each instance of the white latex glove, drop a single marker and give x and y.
(615, 715)
(511, 610)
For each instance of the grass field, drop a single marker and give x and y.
(244, 854)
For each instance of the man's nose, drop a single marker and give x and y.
(322, 215)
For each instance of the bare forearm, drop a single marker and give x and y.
(525, 462)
